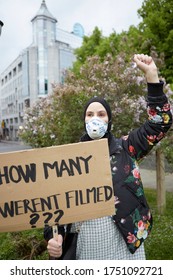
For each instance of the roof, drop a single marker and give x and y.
(44, 12)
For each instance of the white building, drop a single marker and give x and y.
(32, 73)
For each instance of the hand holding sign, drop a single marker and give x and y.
(54, 246)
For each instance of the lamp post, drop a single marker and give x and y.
(1, 24)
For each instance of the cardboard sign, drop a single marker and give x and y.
(55, 185)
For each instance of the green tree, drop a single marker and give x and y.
(157, 31)
(96, 44)
(154, 33)
(89, 47)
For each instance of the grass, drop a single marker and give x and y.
(158, 246)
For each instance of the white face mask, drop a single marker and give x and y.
(96, 128)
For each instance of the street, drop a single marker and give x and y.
(10, 146)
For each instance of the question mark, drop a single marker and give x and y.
(48, 218)
(34, 218)
(60, 214)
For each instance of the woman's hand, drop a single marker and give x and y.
(148, 66)
(54, 246)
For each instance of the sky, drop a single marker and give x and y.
(107, 15)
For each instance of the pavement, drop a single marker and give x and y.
(10, 142)
(149, 179)
(12, 146)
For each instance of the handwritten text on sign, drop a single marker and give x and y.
(61, 184)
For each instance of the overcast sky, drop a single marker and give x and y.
(108, 15)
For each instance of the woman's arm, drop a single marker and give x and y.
(140, 141)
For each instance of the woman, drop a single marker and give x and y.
(121, 236)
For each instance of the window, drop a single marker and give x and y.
(20, 67)
(27, 103)
(14, 71)
(10, 75)
(46, 86)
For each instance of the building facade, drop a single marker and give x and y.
(31, 75)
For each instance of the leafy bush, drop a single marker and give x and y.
(58, 119)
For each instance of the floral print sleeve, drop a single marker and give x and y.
(140, 141)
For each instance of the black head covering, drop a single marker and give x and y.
(105, 105)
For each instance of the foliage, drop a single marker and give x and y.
(154, 33)
(167, 146)
(26, 245)
(59, 118)
(55, 120)
(156, 29)
(167, 143)
(94, 45)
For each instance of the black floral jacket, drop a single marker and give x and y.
(132, 214)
